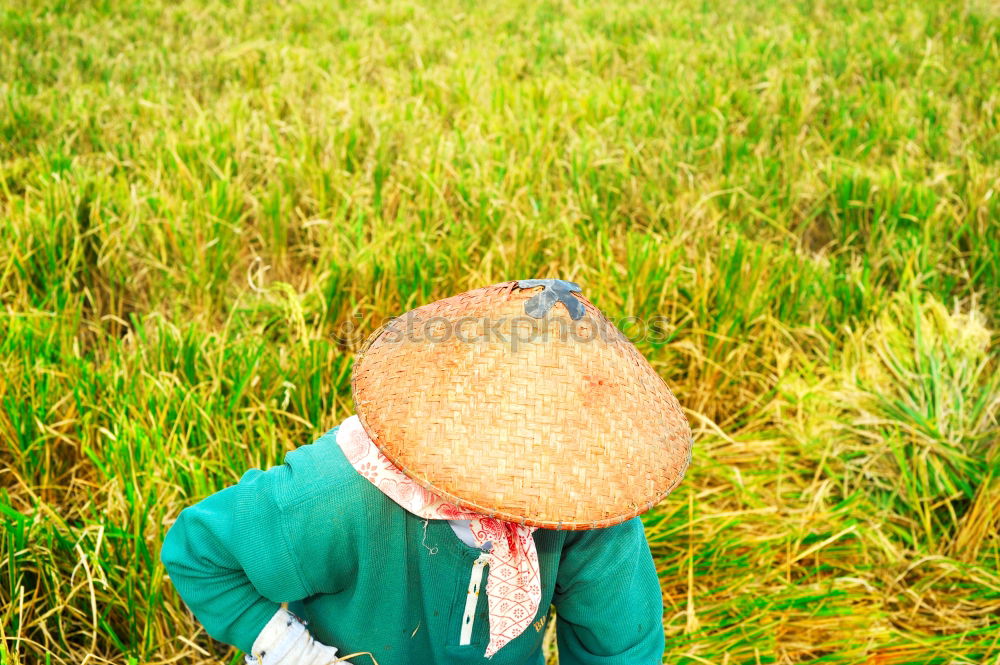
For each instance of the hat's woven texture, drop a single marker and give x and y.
(547, 422)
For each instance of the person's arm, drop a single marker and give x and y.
(609, 609)
(229, 561)
(236, 555)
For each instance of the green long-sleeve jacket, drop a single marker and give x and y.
(369, 576)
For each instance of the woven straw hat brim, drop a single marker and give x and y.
(549, 422)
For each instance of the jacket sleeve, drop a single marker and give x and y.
(228, 559)
(236, 555)
(609, 609)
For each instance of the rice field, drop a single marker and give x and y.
(204, 205)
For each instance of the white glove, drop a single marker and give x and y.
(286, 641)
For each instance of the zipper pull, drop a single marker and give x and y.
(472, 598)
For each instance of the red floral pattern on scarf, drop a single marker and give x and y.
(513, 587)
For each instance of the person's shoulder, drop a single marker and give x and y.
(316, 471)
(629, 531)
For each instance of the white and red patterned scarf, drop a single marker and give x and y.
(513, 587)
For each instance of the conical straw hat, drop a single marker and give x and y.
(522, 401)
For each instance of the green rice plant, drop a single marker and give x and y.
(925, 387)
(791, 206)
